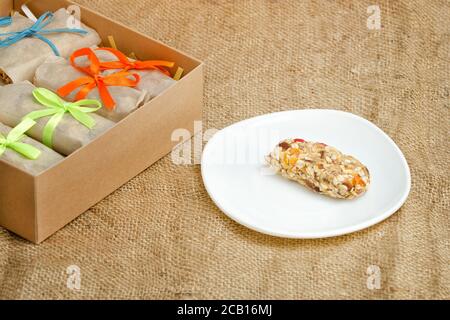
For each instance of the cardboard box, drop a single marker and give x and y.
(37, 207)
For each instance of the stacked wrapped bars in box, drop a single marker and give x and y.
(56, 83)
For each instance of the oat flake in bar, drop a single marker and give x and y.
(320, 167)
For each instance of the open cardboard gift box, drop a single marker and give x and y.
(35, 207)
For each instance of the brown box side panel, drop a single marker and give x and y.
(93, 172)
(36, 207)
(16, 187)
(5, 7)
(17, 203)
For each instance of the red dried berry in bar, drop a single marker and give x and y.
(299, 140)
(284, 145)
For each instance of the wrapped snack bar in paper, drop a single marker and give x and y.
(24, 45)
(116, 91)
(23, 152)
(154, 74)
(59, 124)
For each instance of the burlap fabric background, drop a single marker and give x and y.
(160, 235)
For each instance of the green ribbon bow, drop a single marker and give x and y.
(12, 141)
(57, 108)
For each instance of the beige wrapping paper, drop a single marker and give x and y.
(47, 159)
(19, 61)
(152, 81)
(19, 22)
(16, 101)
(56, 72)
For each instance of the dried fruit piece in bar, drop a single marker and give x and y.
(320, 167)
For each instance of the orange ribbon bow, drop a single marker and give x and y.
(95, 79)
(126, 64)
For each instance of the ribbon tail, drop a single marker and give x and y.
(5, 21)
(166, 72)
(82, 117)
(106, 97)
(25, 150)
(47, 41)
(71, 86)
(15, 37)
(17, 133)
(49, 129)
(64, 30)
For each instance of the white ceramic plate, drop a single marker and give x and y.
(236, 178)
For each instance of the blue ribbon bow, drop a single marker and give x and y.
(36, 30)
(5, 21)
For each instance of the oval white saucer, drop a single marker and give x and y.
(240, 184)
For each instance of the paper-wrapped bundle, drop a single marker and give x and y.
(46, 159)
(154, 76)
(155, 82)
(17, 101)
(56, 72)
(21, 55)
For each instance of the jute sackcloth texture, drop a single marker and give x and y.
(160, 235)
